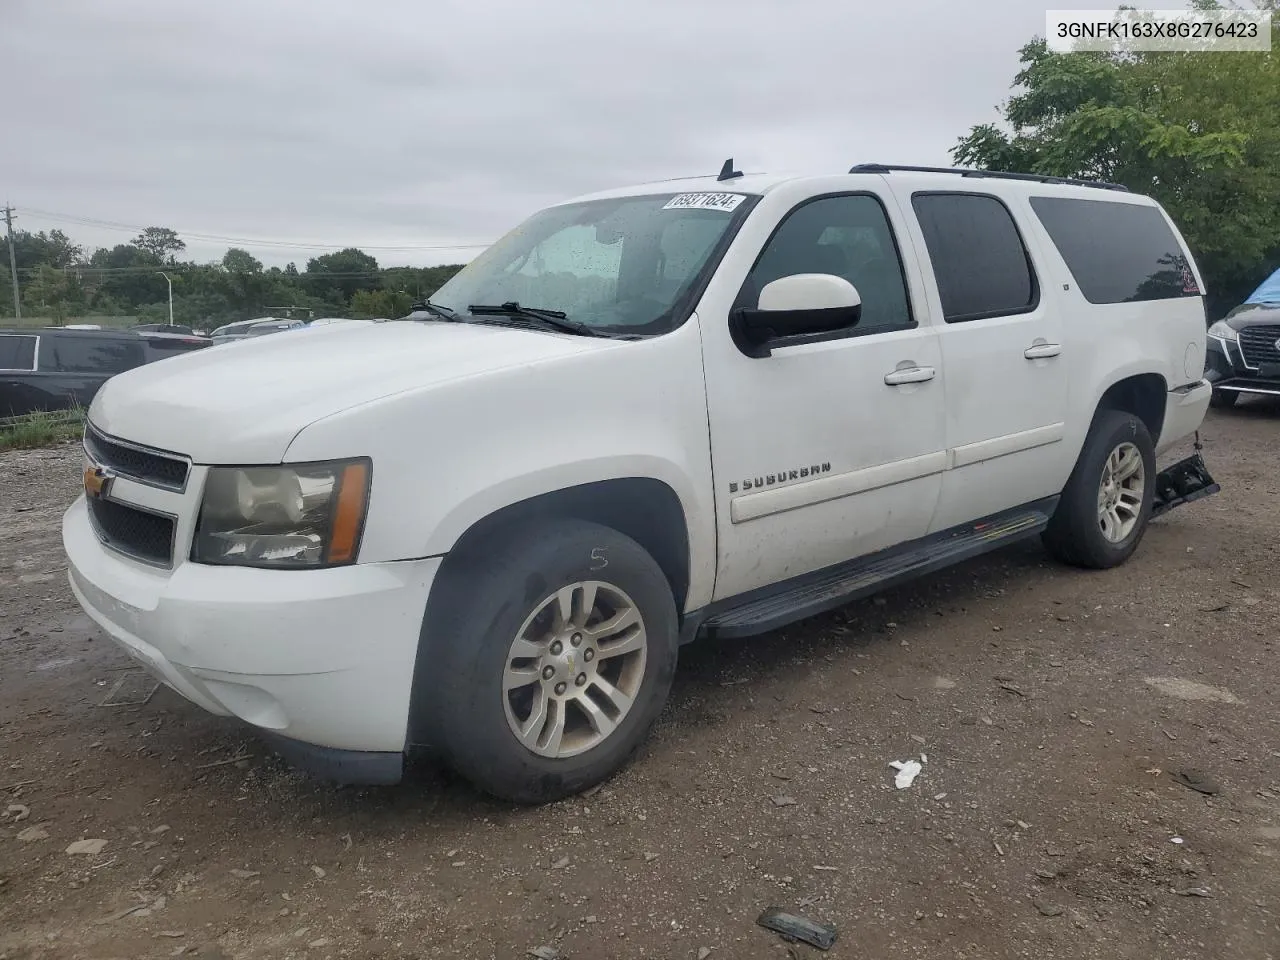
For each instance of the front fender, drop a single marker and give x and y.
(446, 457)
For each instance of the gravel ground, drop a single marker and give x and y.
(1055, 707)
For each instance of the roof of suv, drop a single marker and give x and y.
(761, 183)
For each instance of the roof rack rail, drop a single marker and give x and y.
(991, 174)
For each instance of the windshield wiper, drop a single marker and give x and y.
(556, 319)
(443, 312)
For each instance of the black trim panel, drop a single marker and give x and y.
(361, 767)
(777, 605)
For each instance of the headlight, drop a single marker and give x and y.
(297, 516)
(1223, 332)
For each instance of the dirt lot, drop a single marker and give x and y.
(1042, 825)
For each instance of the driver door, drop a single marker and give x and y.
(830, 450)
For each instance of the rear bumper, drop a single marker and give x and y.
(1183, 413)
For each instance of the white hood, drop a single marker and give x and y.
(244, 402)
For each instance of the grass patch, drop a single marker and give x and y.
(33, 430)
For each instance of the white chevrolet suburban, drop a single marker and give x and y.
(701, 407)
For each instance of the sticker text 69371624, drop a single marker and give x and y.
(704, 201)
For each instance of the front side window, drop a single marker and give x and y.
(17, 352)
(626, 265)
(97, 355)
(979, 260)
(848, 236)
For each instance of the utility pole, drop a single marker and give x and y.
(13, 263)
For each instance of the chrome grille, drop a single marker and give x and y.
(1258, 344)
(137, 463)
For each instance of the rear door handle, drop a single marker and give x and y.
(1042, 351)
(909, 375)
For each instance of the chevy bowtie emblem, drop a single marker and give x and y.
(96, 480)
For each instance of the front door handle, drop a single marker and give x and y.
(909, 375)
(1042, 351)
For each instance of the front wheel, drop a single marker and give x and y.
(551, 653)
(1107, 501)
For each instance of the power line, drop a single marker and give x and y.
(244, 241)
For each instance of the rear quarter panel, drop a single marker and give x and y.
(1105, 343)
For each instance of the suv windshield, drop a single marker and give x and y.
(623, 265)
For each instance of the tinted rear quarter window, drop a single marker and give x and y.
(978, 257)
(17, 352)
(1117, 252)
(99, 355)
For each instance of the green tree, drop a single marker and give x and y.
(53, 292)
(127, 275)
(31, 251)
(244, 281)
(380, 303)
(337, 276)
(1197, 131)
(163, 243)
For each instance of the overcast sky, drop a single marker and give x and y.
(420, 123)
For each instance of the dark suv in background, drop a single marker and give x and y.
(52, 368)
(1243, 348)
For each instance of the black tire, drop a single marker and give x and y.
(1223, 399)
(1075, 535)
(480, 600)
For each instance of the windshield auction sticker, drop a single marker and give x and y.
(704, 201)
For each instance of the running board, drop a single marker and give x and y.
(774, 607)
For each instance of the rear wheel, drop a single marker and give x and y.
(551, 656)
(1106, 504)
(1223, 399)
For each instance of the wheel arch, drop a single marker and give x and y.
(1144, 395)
(644, 509)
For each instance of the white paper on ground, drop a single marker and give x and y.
(908, 770)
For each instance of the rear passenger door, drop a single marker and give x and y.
(1002, 344)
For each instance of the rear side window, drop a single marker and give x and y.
(1117, 252)
(978, 256)
(101, 355)
(17, 352)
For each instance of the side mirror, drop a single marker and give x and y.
(800, 308)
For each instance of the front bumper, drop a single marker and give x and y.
(1225, 368)
(321, 660)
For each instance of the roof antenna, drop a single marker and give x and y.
(727, 172)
